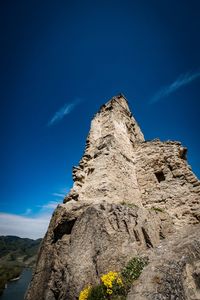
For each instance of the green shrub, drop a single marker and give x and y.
(97, 293)
(133, 270)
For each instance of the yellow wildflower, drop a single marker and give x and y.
(84, 293)
(108, 280)
(119, 281)
(109, 291)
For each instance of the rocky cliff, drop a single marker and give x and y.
(130, 197)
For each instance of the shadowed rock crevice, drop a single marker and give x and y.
(147, 238)
(196, 276)
(63, 228)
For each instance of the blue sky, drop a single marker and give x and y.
(61, 60)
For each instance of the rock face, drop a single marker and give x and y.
(129, 196)
(173, 271)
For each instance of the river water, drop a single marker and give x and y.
(16, 289)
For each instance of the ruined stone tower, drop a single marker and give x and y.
(128, 195)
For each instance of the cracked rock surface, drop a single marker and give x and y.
(173, 271)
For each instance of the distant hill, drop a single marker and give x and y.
(15, 254)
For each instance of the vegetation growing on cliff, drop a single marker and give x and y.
(115, 285)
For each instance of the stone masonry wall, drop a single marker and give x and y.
(108, 157)
(167, 182)
(120, 166)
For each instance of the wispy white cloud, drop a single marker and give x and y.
(65, 110)
(30, 224)
(182, 80)
(61, 195)
(22, 226)
(49, 205)
(27, 225)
